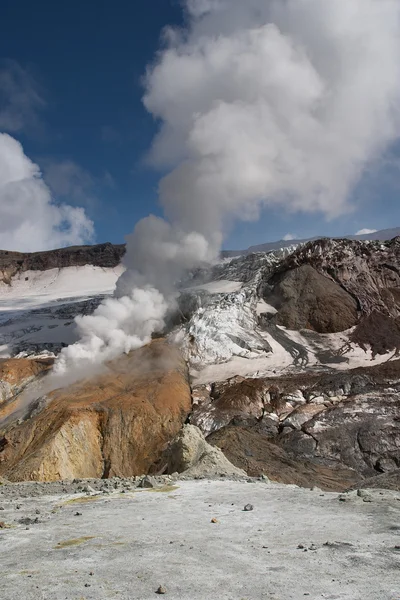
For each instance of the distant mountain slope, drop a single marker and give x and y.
(383, 235)
(102, 255)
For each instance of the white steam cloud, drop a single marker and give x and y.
(279, 103)
(366, 231)
(29, 219)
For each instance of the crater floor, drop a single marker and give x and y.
(295, 543)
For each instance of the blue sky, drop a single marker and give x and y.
(84, 124)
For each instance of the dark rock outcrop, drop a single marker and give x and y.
(305, 299)
(369, 272)
(249, 449)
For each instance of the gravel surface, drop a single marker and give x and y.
(194, 540)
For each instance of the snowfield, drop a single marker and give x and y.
(38, 308)
(31, 289)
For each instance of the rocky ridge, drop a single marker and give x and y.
(101, 255)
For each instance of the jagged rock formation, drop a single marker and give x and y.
(114, 424)
(102, 255)
(250, 449)
(369, 272)
(346, 421)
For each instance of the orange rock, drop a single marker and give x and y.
(116, 424)
(16, 373)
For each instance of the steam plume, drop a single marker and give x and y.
(279, 103)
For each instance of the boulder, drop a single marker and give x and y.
(191, 455)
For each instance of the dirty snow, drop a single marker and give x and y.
(219, 287)
(30, 289)
(37, 310)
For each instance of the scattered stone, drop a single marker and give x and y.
(28, 521)
(214, 520)
(148, 482)
(78, 514)
(300, 547)
(248, 508)
(161, 590)
(88, 489)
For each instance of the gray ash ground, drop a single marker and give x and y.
(194, 540)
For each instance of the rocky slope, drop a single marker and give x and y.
(17, 373)
(117, 423)
(344, 426)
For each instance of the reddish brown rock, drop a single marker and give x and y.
(253, 452)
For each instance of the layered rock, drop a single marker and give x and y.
(116, 424)
(101, 255)
(331, 428)
(248, 448)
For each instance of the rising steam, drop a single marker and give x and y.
(280, 103)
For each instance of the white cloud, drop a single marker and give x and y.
(366, 231)
(289, 236)
(20, 99)
(29, 218)
(273, 103)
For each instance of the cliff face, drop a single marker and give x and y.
(368, 272)
(332, 285)
(115, 424)
(102, 255)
